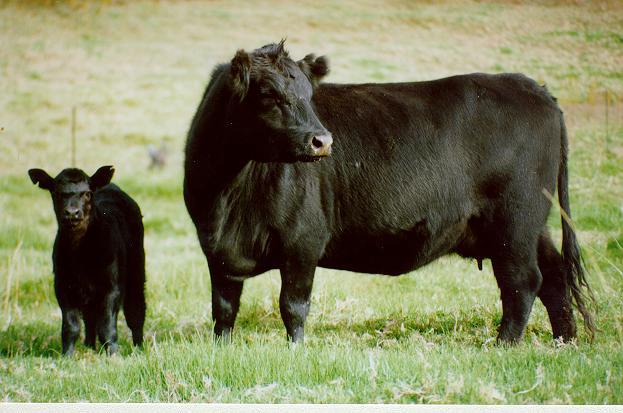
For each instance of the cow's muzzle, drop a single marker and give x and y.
(321, 145)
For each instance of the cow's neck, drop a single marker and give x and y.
(221, 168)
(218, 162)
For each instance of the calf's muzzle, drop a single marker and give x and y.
(72, 215)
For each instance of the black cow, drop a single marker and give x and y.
(417, 171)
(99, 260)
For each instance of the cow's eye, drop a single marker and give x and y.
(86, 195)
(268, 99)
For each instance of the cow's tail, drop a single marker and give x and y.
(577, 284)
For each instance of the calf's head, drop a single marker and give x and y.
(72, 194)
(271, 105)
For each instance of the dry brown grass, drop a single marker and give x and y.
(144, 63)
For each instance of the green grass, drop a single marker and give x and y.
(136, 71)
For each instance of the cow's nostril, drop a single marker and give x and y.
(317, 143)
(321, 145)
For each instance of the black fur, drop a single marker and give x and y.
(98, 258)
(418, 171)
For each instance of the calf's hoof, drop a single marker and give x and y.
(111, 348)
(222, 335)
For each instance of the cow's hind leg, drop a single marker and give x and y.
(519, 279)
(554, 292)
(225, 304)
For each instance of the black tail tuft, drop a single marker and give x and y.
(572, 259)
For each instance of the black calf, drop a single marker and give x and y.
(99, 260)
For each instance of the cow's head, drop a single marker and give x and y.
(72, 194)
(272, 108)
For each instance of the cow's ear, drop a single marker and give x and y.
(241, 73)
(101, 177)
(314, 67)
(41, 177)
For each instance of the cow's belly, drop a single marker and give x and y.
(391, 253)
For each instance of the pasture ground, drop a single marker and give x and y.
(136, 71)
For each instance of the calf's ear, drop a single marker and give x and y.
(240, 73)
(314, 67)
(41, 177)
(102, 177)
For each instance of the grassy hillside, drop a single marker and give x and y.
(135, 71)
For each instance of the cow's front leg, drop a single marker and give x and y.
(294, 300)
(70, 329)
(107, 322)
(225, 304)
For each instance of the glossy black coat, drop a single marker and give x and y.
(417, 171)
(99, 262)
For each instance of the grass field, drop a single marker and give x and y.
(136, 71)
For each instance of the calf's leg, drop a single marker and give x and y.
(107, 322)
(70, 329)
(134, 300)
(134, 310)
(89, 327)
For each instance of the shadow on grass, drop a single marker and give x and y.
(33, 339)
(475, 327)
(467, 328)
(41, 339)
(462, 327)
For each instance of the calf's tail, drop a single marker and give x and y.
(577, 284)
